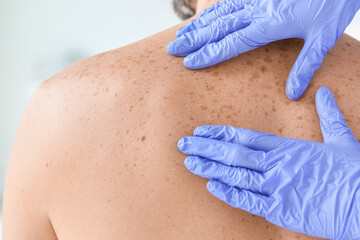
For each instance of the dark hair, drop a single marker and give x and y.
(183, 9)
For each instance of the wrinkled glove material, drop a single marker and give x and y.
(304, 186)
(232, 27)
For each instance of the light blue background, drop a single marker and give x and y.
(39, 38)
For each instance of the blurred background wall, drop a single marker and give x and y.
(39, 38)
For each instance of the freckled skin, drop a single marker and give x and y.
(80, 171)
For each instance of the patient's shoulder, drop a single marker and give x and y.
(65, 122)
(70, 105)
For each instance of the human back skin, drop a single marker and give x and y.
(96, 153)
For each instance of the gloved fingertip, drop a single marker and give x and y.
(291, 91)
(188, 62)
(190, 163)
(178, 48)
(191, 63)
(211, 186)
(216, 188)
(201, 130)
(171, 48)
(295, 87)
(197, 131)
(323, 91)
(181, 143)
(292, 94)
(332, 121)
(324, 98)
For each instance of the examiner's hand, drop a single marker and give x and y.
(307, 187)
(232, 27)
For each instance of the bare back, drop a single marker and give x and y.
(104, 132)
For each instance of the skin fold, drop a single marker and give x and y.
(96, 153)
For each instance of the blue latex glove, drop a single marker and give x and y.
(232, 27)
(307, 187)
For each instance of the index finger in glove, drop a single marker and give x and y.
(215, 31)
(229, 47)
(227, 153)
(246, 137)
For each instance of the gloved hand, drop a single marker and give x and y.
(232, 27)
(307, 187)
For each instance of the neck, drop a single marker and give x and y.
(203, 4)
